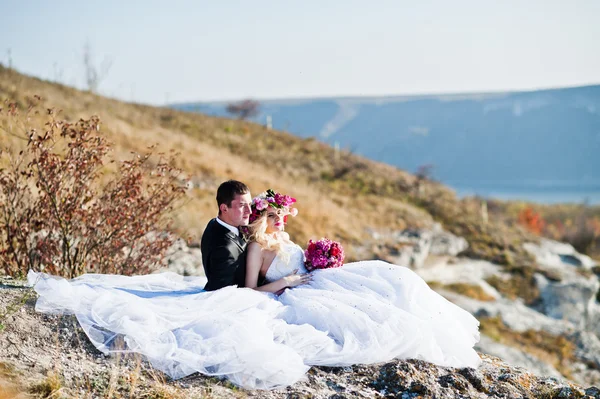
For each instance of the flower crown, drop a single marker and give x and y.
(270, 198)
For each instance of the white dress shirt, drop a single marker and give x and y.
(231, 228)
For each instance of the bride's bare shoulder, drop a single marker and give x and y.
(254, 246)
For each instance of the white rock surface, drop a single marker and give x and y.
(556, 255)
(573, 299)
(462, 270)
(420, 244)
(183, 260)
(516, 357)
(514, 314)
(445, 243)
(567, 307)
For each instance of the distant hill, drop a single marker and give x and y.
(546, 138)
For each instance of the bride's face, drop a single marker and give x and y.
(274, 220)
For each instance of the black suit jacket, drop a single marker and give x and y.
(223, 257)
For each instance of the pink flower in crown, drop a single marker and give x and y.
(261, 204)
(275, 200)
(284, 200)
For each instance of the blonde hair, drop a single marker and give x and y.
(257, 232)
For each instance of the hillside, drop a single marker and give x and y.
(543, 140)
(340, 195)
(524, 299)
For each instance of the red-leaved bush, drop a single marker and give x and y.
(59, 215)
(531, 220)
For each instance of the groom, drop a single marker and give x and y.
(223, 247)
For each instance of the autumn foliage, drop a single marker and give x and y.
(61, 214)
(581, 230)
(531, 220)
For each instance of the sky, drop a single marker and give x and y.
(182, 51)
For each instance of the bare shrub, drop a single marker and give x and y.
(94, 74)
(57, 214)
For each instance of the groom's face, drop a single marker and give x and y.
(239, 212)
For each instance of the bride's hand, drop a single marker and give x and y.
(296, 279)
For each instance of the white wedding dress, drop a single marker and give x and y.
(363, 312)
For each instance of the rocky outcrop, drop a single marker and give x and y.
(35, 346)
(414, 246)
(571, 293)
(183, 260)
(445, 243)
(566, 307)
(554, 254)
(572, 299)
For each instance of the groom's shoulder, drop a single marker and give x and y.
(210, 226)
(211, 223)
(212, 229)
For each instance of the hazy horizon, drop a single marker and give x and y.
(188, 51)
(390, 95)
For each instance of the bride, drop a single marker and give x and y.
(373, 310)
(267, 336)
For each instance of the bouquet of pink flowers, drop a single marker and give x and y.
(323, 254)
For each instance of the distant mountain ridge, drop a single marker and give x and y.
(545, 138)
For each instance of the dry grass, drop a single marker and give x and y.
(10, 391)
(50, 387)
(555, 350)
(521, 284)
(339, 194)
(469, 290)
(577, 224)
(210, 155)
(162, 391)
(9, 387)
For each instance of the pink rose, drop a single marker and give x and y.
(335, 251)
(262, 204)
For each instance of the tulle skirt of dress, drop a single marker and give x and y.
(364, 312)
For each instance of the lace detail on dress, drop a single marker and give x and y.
(283, 266)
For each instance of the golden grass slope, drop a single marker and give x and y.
(340, 195)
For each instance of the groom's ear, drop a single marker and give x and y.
(222, 208)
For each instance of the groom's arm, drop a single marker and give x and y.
(223, 267)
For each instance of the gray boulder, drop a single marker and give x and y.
(445, 243)
(418, 244)
(573, 299)
(183, 260)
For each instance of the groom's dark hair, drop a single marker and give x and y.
(228, 190)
